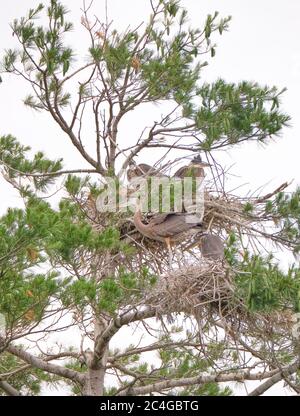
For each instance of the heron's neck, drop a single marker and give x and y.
(138, 222)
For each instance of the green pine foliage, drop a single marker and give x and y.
(26, 380)
(284, 210)
(265, 287)
(16, 165)
(229, 114)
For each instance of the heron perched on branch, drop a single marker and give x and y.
(211, 247)
(194, 169)
(169, 227)
(141, 170)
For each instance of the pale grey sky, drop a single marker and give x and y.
(262, 45)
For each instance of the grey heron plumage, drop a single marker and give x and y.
(168, 227)
(140, 170)
(211, 247)
(194, 169)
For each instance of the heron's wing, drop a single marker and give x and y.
(174, 225)
(159, 218)
(145, 169)
(196, 171)
(180, 173)
(194, 219)
(193, 171)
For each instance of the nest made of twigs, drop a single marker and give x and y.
(221, 214)
(207, 291)
(224, 213)
(193, 287)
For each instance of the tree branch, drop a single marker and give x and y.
(46, 366)
(202, 379)
(57, 116)
(114, 326)
(274, 379)
(152, 347)
(9, 389)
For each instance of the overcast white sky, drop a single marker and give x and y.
(262, 45)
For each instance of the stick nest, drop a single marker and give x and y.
(207, 291)
(194, 288)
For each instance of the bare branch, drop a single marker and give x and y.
(46, 366)
(153, 347)
(258, 391)
(114, 326)
(198, 380)
(9, 389)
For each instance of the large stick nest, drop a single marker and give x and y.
(193, 288)
(207, 291)
(223, 215)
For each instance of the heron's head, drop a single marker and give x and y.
(201, 237)
(135, 204)
(132, 164)
(197, 160)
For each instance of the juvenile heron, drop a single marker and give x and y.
(169, 227)
(211, 247)
(194, 169)
(141, 170)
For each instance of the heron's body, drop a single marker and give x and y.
(190, 171)
(194, 169)
(212, 247)
(141, 170)
(169, 227)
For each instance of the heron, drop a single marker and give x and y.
(211, 247)
(194, 169)
(141, 170)
(169, 227)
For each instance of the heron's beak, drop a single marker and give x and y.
(202, 164)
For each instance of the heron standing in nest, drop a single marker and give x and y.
(168, 228)
(194, 169)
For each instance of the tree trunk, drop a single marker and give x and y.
(94, 382)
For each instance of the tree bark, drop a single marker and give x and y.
(258, 391)
(9, 389)
(44, 365)
(94, 379)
